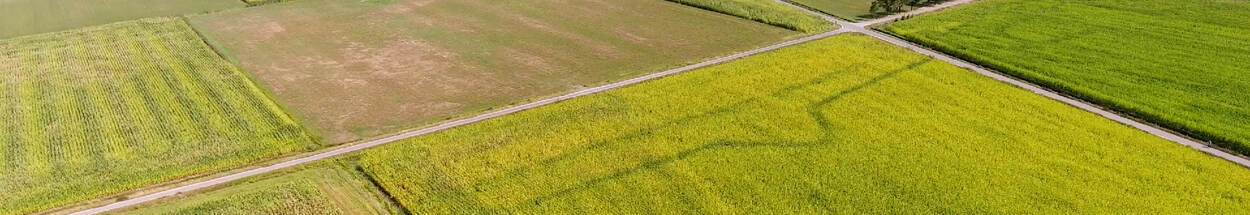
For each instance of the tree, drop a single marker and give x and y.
(895, 6)
(888, 6)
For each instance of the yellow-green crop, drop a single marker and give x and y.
(1180, 64)
(848, 124)
(92, 112)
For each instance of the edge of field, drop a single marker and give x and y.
(809, 8)
(314, 138)
(1217, 142)
(828, 26)
(347, 163)
(212, 44)
(183, 181)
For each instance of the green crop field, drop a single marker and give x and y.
(359, 69)
(845, 9)
(323, 188)
(99, 110)
(24, 17)
(847, 124)
(766, 11)
(1179, 64)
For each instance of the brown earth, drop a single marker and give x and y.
(353, 70)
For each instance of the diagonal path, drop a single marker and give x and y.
(846, 27)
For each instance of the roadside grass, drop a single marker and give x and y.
(330, 187)
(355, 70)
(1180, 64)
(766, 11)
(26, 17)
(851, 10)
(847, 124)
(103, 109)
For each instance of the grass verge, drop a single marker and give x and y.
(765, 11)
(329, 187)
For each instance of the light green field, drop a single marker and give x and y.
(99, 110)
(360, 69)
(844, 9)
(847, 124)
(24, 17)
(766, 11)
(324, 188)
(1180, 64)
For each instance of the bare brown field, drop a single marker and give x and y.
(354, 70)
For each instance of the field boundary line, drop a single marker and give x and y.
(1121, 118)
(441, 126)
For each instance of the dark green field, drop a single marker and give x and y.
(845, 9)
(1181, 64)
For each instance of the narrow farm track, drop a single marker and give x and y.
(846, 27)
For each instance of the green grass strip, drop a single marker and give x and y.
(765, 11)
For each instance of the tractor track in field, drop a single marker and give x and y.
(845, 27)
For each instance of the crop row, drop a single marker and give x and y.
(126, 105)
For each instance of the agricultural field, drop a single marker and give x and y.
(359, 69)
(1179, 64)
(766, 11)
(844, 9)
(322, 188)
(25, 17)
(99, 110)
(858, 10)
(847, 124)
